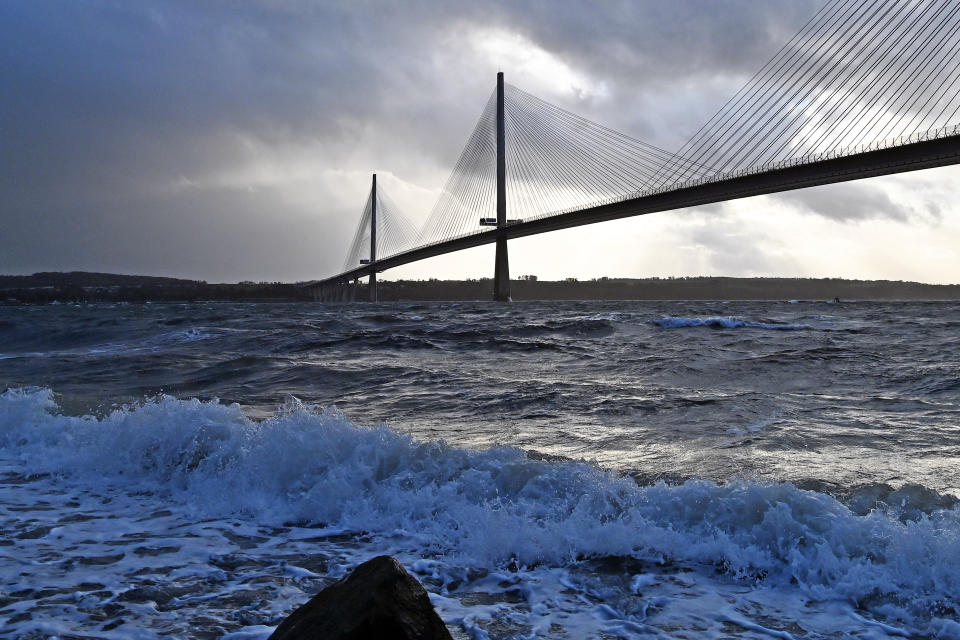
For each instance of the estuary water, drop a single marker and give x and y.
(555, 470)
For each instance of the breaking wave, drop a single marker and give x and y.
(497, 506)
(721, 322)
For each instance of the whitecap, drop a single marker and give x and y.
(724, 322)
(492, 508)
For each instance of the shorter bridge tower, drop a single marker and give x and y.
(372, 286)
(383, 231)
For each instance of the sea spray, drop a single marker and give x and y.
(492, 508)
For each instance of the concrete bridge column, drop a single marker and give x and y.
(501, 269)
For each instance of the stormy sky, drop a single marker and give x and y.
(235, 140)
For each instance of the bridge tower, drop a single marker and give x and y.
(501, 270)
(373, 240)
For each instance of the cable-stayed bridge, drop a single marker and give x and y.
(863, 89)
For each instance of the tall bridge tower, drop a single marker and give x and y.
(501, 271)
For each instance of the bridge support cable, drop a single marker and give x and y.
(470, 192)
(395, 232)
(858, 73)
(558, 160)
(757, 94)
(359, 246)
(748, 92)
(862, 92)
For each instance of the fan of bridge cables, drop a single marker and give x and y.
(395, 232)
(859, 74)
(470, 192)
(555, 161)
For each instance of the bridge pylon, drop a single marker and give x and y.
(373, 239)
(501, 270)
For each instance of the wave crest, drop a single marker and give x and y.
(489, 507)
(724, 322)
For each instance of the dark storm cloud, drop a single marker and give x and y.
(656, 55)
(125, 125)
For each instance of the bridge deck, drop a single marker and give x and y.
(926, 154)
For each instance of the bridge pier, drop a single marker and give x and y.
(501, 267)
(501, 272)
(373, 239)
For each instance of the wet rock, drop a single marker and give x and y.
(378, 600)
(242, 541)
(33, 534)
(23, 616)
(113, 624)
(162, 595)
(101, 560)
(155, 551)
(148, 593)
(76, 517)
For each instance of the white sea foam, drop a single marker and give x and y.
(496, 508)
(724, 322)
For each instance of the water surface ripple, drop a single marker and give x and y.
(556, 469)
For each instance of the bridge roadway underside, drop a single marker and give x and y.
(908, 157)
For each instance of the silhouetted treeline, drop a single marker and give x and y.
(90, 279)
(700, 288)
(78, 286)
(43, 288)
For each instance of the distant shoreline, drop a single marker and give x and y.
(78, 286)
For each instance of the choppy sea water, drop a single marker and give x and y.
(557, 470)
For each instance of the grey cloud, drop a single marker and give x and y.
(707, 211)
(847, 202)
(735, 252)
(106, 103)
(652, 50)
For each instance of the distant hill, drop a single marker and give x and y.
(80, 286)
(90, 279)
(696, 288)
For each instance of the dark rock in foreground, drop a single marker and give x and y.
(378, 600)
